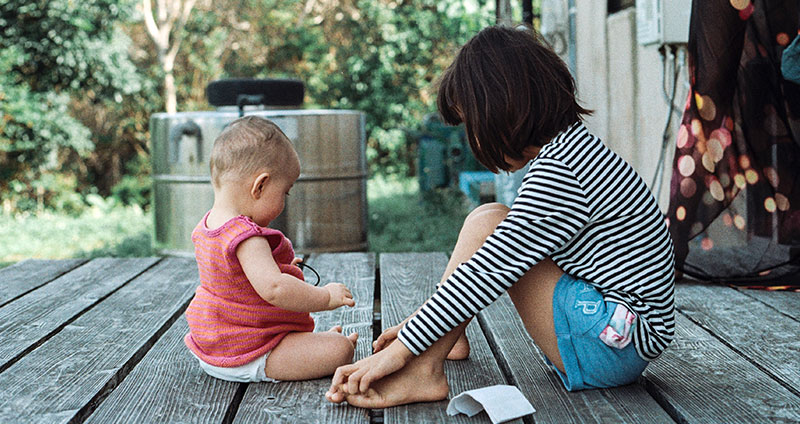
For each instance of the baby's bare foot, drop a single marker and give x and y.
(460, 350)
(409, 385)
(353, 338)
(336, 329)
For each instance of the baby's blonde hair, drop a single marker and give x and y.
(247, 145)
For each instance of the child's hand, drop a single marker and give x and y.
(296, 261)
(387, 337)
(339, 296)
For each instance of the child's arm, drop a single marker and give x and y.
(284, 290)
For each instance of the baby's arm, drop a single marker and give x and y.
(284, 290)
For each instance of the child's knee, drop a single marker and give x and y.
(344, 349)
(487, 215)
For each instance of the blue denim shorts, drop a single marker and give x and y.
(580, 314)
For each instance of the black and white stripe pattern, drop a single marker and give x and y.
(588, 210)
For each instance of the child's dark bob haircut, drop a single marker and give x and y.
(511, 91)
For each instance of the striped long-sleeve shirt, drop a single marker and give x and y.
(588, 210)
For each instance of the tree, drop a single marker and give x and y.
(166, 31)
(378, 56)
(51, 53)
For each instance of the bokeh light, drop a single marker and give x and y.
(715, 148)
(783, 38)
(686, 165)
(716, 191)
(738, 222)
(744, 161)
(680, 213)
(707, 243)
(707, 108)
(697, 127)
(725, 179)
(740, 181)
(683, 137)
(740, 4)
(769, 204)
(782, 202)
(772, 176)
(745, 14)
(727, 220)
(688, 187)
(723, 136)
(708, 162)
(751, 176)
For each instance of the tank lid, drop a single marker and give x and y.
(252, 91)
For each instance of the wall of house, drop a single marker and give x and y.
(623, 82)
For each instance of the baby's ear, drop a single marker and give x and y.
(259, 184)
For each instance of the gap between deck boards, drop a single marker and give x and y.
(70, 320)
(87, 410)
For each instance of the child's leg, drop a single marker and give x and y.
(305, 356)
(423, 379)
(480, 223)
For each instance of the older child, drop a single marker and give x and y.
(249, 320)
(583, 252)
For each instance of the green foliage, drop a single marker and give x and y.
(52, 53)
(69, 45)
(381, 57)
(79, 81)
(385, 61)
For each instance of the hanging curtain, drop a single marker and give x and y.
(734, 210)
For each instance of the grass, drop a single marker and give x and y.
(400, 220)
(107, 231)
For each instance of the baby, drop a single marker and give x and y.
(249, 320)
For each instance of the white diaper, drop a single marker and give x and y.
(252, 372)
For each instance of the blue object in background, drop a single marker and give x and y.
(431, 163)
(790, 61)
(471, 182)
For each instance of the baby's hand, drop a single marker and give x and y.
(339, 296)
(296, 261)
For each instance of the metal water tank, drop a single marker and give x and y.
(327, 210)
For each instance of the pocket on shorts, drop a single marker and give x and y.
(588, 311)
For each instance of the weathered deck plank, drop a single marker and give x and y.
(167, 386)
(66, 377)
(103, 342)
(766, 337)
(785, 302)
(33, 317)
(541, 385)
(30, 274)
(703, 381)
(304, 401)
(407, 280)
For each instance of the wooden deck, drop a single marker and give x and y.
(102, 341)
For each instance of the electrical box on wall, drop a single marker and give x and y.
(663, 21)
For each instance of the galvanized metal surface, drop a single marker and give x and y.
(327, 210)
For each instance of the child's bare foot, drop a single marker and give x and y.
(460, 350)
(352, 337)
(414, 383)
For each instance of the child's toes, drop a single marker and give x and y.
(336, 329)
(353, 338)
